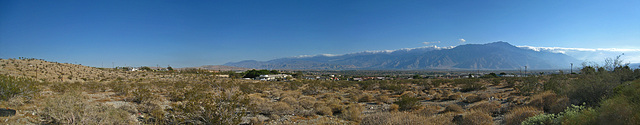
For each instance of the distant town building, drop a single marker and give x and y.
(273, 77)
(222, 76)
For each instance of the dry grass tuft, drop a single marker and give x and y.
(549, 102)
(517, 115)
(486, 106)
(428, 110)
(352, 112)
(393, 118)
(477, 118)
(71, 108)
(453, 108)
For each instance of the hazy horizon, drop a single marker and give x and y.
(196, 33)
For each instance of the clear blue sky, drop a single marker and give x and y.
(195, 33)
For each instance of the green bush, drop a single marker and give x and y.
(542, 119)
(578, 115)
(624, 107)
(472, 87)
(574, 115)
(591, 89)
(407, 103)
(15, 86)
(529, 86)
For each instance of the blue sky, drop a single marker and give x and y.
(195, 33)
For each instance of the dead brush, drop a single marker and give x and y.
(453, 108)
(519, 114)
(72, 108)
(474, 117)
(549, 102)
(393, 118)
(486, 106)
(428, 110)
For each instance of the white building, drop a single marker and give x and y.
(273, 77)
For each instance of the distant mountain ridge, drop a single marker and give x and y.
(490, 56)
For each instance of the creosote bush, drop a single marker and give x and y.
(407, 103)
(14, 86)
(202, 107)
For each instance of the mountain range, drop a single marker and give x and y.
(490, 56)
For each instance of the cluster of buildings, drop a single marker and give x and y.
(272, 77)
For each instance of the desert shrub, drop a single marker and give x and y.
(384, 99)
(352, 112)
(393, 118)
(541, 119)
(120, 88)
(322, 109)
(477, 118)
(15, 86)
(71, 108)
(496, 81)
(487, 106)
(354, 96)
(397, 88)
(529, 85)
(549, 102)
(623, 108)
(557, 83)
(472, 99)
(441, 119)
(465, 81)
(438, 82)
(62, 87)
(428, 110)
(453, 108)
(281, 108)
(289, 100)
(94, 87)
(307, 102)
(394, 107)
(581, 115)
(225, 107)
(366, 98)
(261, 105)
(251, 87)
(407, 103)
(578, 115)
(591, 89)
(511, 82)
(141, 95)
(176, 94)
(473, 86)
(517, 115)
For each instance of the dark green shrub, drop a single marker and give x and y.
(471, 87)
(591, 89)
(407, 103)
